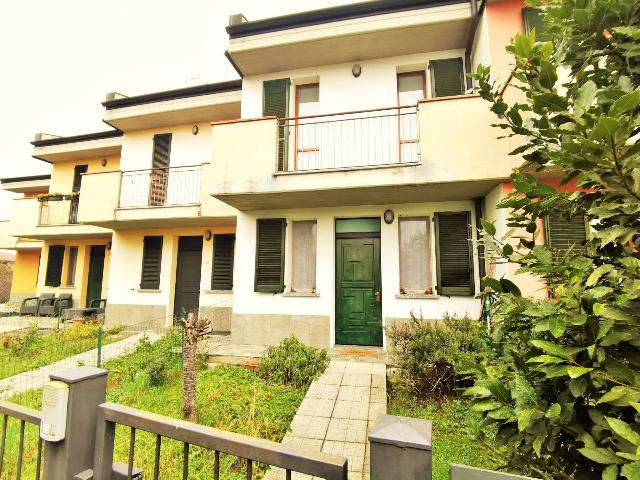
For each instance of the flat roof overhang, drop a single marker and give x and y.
(192, 109)
(78, 149)
(371, 195)
(435, 28)
(69, 232)
(35, 183)
(185, 218)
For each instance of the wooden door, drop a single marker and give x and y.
(187, 295)
(358, 297)
(96, 270)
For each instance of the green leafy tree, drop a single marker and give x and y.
(563, 382)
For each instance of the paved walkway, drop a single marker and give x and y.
(337, 413)
(37, 378)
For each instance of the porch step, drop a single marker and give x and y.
(220, 351)
(358, 353)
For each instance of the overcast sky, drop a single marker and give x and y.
(60, 58)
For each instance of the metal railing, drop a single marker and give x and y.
(24, 415)
(161, 187)
(365, 138)
(59, 212)
(251, 449)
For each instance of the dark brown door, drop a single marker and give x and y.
(96, 271)
(187, 297)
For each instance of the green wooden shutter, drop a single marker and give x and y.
(533, 18)
(53, 277)
(275, 102)
(562, 234)
(159, 175)
(270, 237)
(151, 263)
(222, 273)
(447, 77)
(454, 258)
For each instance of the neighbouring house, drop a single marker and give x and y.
(331, 191)
(6, 275)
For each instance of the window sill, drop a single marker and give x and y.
(67, 287)
(414, 296)
(149, 290)
(300, 294)
(219, 292)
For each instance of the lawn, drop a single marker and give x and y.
(451, 443)
(231, 398)
(30, 349)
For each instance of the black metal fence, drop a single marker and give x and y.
(24, 416)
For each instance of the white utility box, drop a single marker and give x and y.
(55, 396)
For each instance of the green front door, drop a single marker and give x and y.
(96, 270)
(358, 306)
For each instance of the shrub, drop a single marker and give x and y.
(432, 357)
(293, 363)
(157, 370)
(563, 387)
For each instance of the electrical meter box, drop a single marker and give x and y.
(55, 396)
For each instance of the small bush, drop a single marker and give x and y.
(156, 371)
(432, 357)
(293, 363)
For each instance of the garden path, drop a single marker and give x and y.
(35, 379)
(337, 412)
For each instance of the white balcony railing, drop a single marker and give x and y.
(161, 187)
(365, 138)
(59, 211)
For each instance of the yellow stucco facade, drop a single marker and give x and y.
(25, 274)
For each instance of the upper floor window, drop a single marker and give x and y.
(447, 77)
(308, 131)
(412, 87)
(534, 18)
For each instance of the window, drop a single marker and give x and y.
(303, 257)
(71, 266)
(269, 275)
(562, 234)
(53, 276)
(222, 273)
(159, 173)
(415, 256)
(411, 89)
(453, 253)
(447, 77)
(534, 18)
(307, 133)
(151, 263)
(275, 102)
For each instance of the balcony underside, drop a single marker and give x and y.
(162, 217)
(67, 232)
(371, 195)
(429, 29)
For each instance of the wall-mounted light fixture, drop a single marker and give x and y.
(356, 70)
(388, 217)
(207, 235)
(108, 245)
(195, 129)
(103, 162)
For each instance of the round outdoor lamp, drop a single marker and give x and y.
(356, 70)
(388, 217)
(207, 235)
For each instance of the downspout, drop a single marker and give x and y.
(476, 14)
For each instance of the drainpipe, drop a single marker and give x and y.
(476, 14)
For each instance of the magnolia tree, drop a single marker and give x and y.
(562, 381)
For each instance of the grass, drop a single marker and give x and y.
(230, 398)
(451, 442)
(30, 349)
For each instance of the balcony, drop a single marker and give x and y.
(49, 218)
(152, 198)
(345, 141)
(442, 150)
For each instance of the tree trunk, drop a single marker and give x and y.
(193, 328)
(190, 345)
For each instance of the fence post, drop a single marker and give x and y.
(400, 448)
(99, 353)
(72, 455)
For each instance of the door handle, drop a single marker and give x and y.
(378, 296)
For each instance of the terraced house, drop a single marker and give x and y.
(327, 194)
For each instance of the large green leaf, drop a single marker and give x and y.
(600, 455)
(623, 430)
(551, 348)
